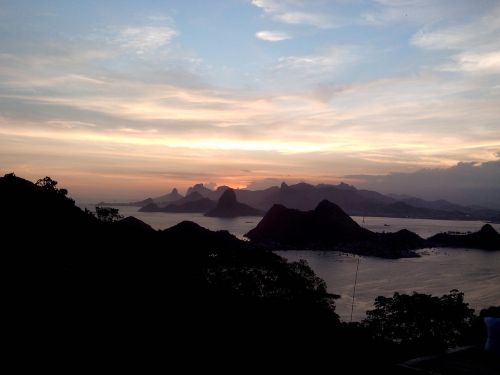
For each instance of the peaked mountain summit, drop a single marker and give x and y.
(328, 227)
(228, 206)
(173, 196)
(326, 224)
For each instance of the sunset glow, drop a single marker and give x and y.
(122, 99)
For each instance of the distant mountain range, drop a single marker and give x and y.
(46, 210)
(303, 196)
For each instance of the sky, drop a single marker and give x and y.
(127, 99)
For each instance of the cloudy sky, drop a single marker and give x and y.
(121, 99)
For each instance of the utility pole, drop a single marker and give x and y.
(354, 291)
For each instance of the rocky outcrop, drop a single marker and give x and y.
(228, 206)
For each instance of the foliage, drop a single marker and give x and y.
(421, 322)
(49, 184)
(108, 214)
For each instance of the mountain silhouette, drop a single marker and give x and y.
(326, 224)
(201, 205)
(159, 201)
(142, 203)
(118, 283)
(328, 227)
(132, 224)
(355, 202)
(193, 202)
(486, 238)
(228, 206)
(173, 196)
(150, 207)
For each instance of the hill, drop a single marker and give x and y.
(228, 206)
(328, 227)
(486, 238)
(120, 282)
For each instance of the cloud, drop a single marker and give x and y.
(289, 12)
(329, 59)
(267, 5)
(129, 99)
(471, 62)
(313, 67)
(272, 36)
(466, 183)
(302, 18)
(146, 38)
(475, 44)
(480, 31)
(454, 38)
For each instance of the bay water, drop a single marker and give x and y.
(436, 271)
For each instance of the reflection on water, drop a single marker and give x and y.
(474, 272)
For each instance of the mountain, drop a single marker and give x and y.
(142, 203)
(191, 235)
(201, 205)
(328, 227)
(228, 206)
(327, 224)
(201, 189)
(193, 202)
(440, 204)
(173, 196)
(150, 207)
(132, 224)
(190, 197)
(486, 238)
(160, 201)
(355, 202)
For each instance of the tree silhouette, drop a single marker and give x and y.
(49, 184)
(421, 322)
(108, 214)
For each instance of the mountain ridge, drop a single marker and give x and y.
(356, 202)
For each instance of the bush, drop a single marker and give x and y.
(421, 323)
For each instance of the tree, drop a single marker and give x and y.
(108, 214)
(421, 322)
(49, 184)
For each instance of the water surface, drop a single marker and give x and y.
(437, 271)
